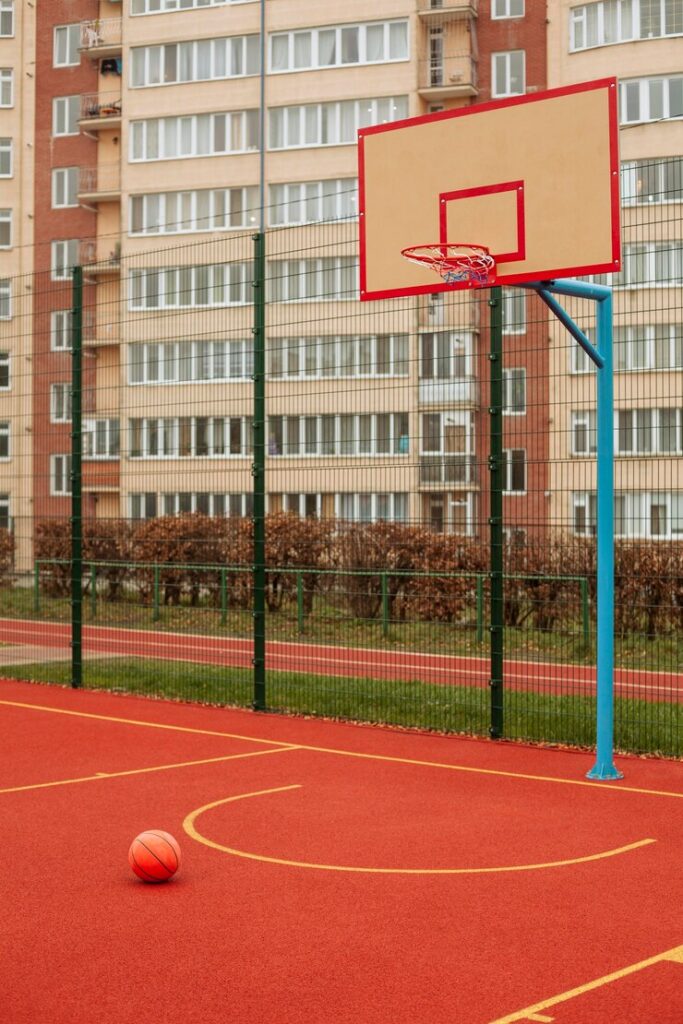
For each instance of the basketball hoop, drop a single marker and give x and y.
(456, 262)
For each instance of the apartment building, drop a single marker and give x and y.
(148, 171)
(17, 233)
(641, 43)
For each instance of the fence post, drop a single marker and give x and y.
(77, 479)
(585, 612)
(155, 613)
(495, 465)
(224, 597)
(258, 471)
(300, 600)
(480, 609)
(36, 587)
(93, 590)
(385, 605)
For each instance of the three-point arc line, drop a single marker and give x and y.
(193, 832)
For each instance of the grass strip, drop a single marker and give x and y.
(641, 726)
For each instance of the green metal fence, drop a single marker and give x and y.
(409, 483)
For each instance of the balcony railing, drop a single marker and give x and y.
(100, 261)
(101, 34)
(445, 9)
(103, 179)
(447, 469)
(100, 106)
(462, 391)
(450, 75)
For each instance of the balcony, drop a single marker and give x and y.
(95, 263)
(99, 184)
(448, 78)
(447, 469)
(99, 111)
(461, 391)
(101, 37)
(438, 12)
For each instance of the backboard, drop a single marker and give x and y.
(535, 178)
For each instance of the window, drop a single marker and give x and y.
(656, 515)
(66, 111)
(160, 213)
(6, 18)
(101, 439)
(514, 392)
(383, 355)
(66, 41)
(652, 181)
(64, 187)
(445, 356)
(650, 99)
(60, 474)
(507, 73)
(507, 9)
(6, 87)
(584, 439)
(372, 43)
(177, 362)
(325, 278)
(174, 138)
(5, 518)
(60, 403)
(207, 285)
(4, 440)
(649, 347)
(199, 61)
(515, 470)
(165, 6)
(143, 506)
(619, 21)
(5, 299)
(190, 437)
(330, 124)
(365, 434)
(651, 264)
(4, 371)
(304, 202)
(514, 311)
(60, 330)
(446, 448)
(5, 229)
(64, 258)
(5, 158)
(369, 508)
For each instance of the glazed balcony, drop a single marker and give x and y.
(447, 469)
(455, 391)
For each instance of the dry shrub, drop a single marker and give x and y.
(379, 548)
(177, 544)
(6, 555)
(294, 543)
(446, 598)
(52, 540)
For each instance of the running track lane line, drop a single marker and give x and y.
(323, 659)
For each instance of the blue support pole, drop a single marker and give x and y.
(604, 768)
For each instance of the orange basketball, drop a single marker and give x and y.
(154, 856)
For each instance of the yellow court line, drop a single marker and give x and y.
(191, 829)
(602, 786)
(675, 955)
(98, 776)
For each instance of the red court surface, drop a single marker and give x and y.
(331, 873)
(330, 660)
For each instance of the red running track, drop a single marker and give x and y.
(359, 662)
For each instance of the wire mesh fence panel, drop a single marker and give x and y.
(265, 491)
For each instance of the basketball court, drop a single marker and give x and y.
(330, 872)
